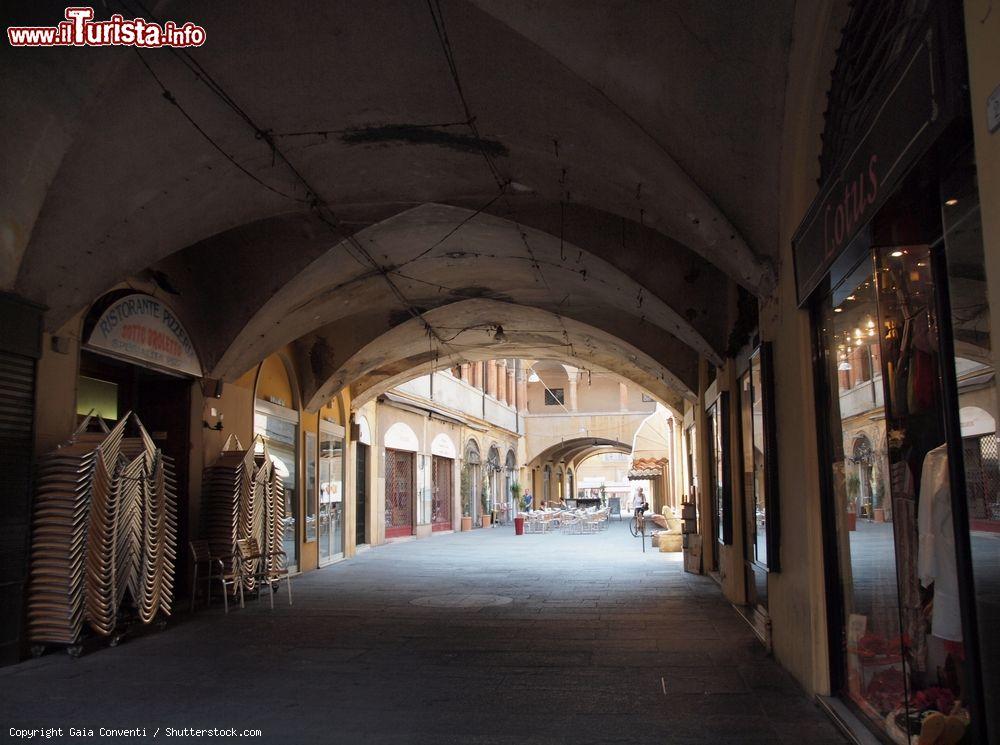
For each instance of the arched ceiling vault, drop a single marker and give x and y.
(594, 121)
(469, 326)
(348, 305)
(570, 451)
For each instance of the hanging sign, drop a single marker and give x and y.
(911, 113)
(144, 330)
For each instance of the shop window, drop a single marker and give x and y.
(971, 380)
(280, 432)
(311, 495)
(554, 397)
(690, 448)
(759, 453)
(331, 495)
(722, 507)
(894, 463)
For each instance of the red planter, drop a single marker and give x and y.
(518, 526)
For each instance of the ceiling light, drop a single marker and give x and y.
(850, 297)
(838, 310)
(951, 202)
(896, 254)
(499, 336)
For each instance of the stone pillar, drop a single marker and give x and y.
(491, 378)
(502, 381)
(572, 391)
(511, 387)
(464, 372)
(622, 397)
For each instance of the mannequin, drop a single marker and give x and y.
(936, 552)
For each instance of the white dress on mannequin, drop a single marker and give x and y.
(936, 552)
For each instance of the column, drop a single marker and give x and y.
(502, 381)
(522, 392)
(511, 387)
(572, 391)
(622, 397)
(464, 373)
(491, 378)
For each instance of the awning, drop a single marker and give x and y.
(644, 469)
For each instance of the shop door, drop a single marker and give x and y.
(398, 493)
(361, 485)
(442, 476)
(163, 405)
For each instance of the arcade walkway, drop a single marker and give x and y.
(466, 638)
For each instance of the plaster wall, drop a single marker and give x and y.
(797, 603)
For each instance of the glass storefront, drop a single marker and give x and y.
(717, 418)
(281, 435)
(892, 350)
(759, 515)
(331, 496)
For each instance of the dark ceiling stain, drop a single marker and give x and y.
(413, 134)
(402, 315)
(477, 291)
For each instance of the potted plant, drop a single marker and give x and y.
(484, 494)
(466, 487)
(515, 493)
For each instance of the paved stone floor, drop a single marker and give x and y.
(417, 642)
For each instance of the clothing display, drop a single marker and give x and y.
(936, 561)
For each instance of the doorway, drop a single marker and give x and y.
(398, 493)
(162, 403)
(361, 486)
(442, 476)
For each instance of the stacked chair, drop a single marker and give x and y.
(243, 498)
(104, 535)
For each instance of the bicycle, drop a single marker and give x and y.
(637, 525)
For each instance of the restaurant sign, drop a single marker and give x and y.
(141, 329)
(910, 115)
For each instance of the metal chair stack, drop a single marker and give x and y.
(226, 488)
(59, 532)
(104, 534)
(243, 497)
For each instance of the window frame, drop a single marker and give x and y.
(769, 449)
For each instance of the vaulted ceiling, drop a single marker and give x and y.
(380, 183)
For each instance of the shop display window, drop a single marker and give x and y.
(281, 436)
(311, 495)
(885, 340)
(718, 414)
(758, 451)
(331, 496)
(976, 393)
